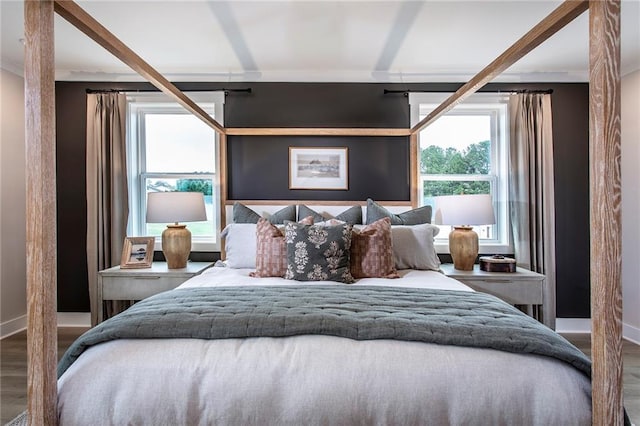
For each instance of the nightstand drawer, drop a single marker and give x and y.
(137, 288)
(519, 292)
(522, 287)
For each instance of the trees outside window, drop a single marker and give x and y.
(465, 152)
(474, 160)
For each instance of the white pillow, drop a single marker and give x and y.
(240, 245)
(413, 246)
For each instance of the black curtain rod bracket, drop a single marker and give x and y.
(541, 91)
(247, 90)
(406, 92)
(88, 91)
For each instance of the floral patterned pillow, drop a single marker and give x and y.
(318, 253)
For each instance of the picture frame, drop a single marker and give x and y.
(319, 168)
(137, 252)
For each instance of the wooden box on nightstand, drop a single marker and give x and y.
(137, 284)
(522, 288)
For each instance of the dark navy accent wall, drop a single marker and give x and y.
(316, 105)
(378, 166)
(258, 165)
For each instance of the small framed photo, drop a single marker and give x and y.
(137, 252)
(318, 168)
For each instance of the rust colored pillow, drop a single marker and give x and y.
(271, 251)
(372, 251)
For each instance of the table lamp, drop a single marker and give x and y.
(462, 212)
(165, 207)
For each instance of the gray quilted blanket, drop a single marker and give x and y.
(356, 312)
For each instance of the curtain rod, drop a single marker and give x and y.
(406, 92)
(226, 91)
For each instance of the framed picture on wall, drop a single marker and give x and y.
(137, 252)
(318, 168)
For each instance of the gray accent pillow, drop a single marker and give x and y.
(412, 217)
(413, 247)
(318, 253)
(283, 215)
(243, 214)
(304, 211)
(352, 215)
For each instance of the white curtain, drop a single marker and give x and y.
(531, 190)
(107, 194)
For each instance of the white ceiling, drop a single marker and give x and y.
(366, 41)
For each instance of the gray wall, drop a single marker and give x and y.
(630, 110)
(13, 305)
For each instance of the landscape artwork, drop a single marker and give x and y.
(318, 168)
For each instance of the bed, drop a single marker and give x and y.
(604, 37)
(230, 347)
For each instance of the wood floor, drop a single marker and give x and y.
(14, 371)
(631, 373)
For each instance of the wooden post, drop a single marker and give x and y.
(414, 152)
(606, 246)
(41, 213)
(222, 179)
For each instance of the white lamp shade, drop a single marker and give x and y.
(166, 207)
(467, 209)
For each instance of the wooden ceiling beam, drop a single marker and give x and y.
(80, 19)
(556, 20)
(308, 131)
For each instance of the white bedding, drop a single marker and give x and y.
(222, 276)
(315, 380)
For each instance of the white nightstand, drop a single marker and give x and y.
(523, 287)
(137, 284)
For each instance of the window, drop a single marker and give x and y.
(169, 149)
(465, 152)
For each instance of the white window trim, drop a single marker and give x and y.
(420, 105)
(212, 103)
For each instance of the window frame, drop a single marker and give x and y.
(496, 106)
(139, 104)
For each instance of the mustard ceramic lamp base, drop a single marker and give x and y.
(176, 245)
(463, 246)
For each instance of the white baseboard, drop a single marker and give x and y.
(13, 326)
(573, 325)
(65, 319)
(74, 319)
(631, 333)
(583, 325)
